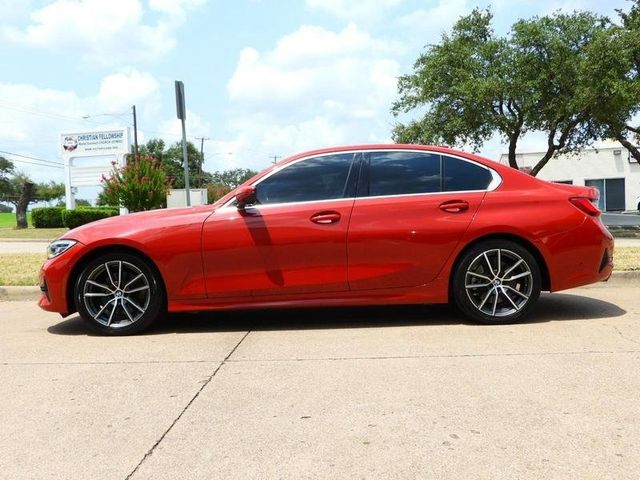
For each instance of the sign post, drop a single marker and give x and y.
(182, 115)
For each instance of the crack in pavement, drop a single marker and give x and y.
(298, 359)
(454, 355)
(623, 336)
(202, 387)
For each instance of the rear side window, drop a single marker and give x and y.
(319, 178)
(459, 176)
(398, 173)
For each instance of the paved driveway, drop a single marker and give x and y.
(354, 393)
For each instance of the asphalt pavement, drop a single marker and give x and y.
(402, 392)
(621, 219)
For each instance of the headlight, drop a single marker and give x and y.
(58, 247)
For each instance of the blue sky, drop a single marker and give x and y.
(262, 77)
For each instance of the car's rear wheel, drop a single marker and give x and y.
(496, 281)
(119, 294)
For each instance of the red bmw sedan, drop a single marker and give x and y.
(359, 225)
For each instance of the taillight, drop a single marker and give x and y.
(585, 205)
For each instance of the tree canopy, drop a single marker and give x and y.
(573, 77)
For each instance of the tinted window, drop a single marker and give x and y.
(320, 178)
(460, 175)
(397, 173)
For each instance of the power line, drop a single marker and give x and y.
(38, 164)
(32, 158)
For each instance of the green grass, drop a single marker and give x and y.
(8, 220)
(20, 268)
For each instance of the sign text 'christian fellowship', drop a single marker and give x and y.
(84, 144)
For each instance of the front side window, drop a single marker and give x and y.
(318, 178)
(400, 173)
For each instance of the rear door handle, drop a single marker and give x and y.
(326, 217)
(454, 206)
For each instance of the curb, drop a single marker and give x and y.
(17, 294)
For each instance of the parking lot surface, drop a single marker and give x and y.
(404, 392)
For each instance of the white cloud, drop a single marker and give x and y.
(103, 33)
(430, 23)
(175, 9)
(315, 88)
(360, 10)
(171, 129)
(33, 117)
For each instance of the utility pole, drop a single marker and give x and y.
(135, 131)
(275, 158)
(202, 139)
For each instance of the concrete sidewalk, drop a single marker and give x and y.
(404, 392)
(23, 247)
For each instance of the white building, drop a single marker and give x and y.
(608, 167)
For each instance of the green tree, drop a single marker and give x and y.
(614, 68)
(173, 164)
(552, 56)
(474, 84)
(21, 191)
(232, 178)
(140, 185)
(6, 169)
(468, 87)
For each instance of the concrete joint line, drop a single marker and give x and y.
(624, 337)
(202, 387)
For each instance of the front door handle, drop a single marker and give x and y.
(454, 206)
(325, 217)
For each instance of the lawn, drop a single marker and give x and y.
(22, 268)
(8, 220)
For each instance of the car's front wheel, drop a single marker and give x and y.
(119, 294)
(496, 281)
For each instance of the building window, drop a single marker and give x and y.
(612, 194)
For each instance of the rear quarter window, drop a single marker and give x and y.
(460, 175)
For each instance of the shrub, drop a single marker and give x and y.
(80, 216)
(48, 217)
(141, 185)
(5, 208)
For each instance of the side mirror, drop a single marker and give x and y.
(245, 196)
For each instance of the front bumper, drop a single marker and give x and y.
(54, 278)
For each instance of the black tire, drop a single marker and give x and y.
(119, 294)
(483, 287)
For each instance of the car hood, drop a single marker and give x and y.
(125, 225)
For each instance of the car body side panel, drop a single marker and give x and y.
(276, 249)
(404, 241)
(171, 238)
(571, 244)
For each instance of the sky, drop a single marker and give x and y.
(262, 78)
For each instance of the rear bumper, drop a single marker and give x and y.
(582, 258)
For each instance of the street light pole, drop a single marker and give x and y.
(135, 131)
(202, 139)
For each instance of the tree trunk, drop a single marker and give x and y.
(633, 150)
(513, 142)
(22, 204)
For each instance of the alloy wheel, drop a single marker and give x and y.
(116, 294)
(499, 282)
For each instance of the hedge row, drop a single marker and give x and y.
(56, 217)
